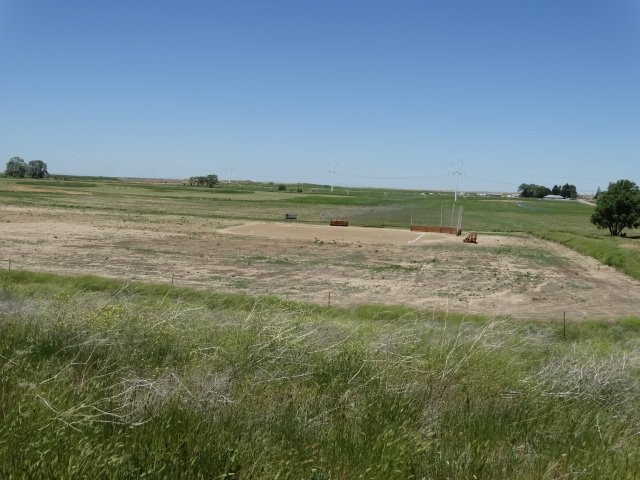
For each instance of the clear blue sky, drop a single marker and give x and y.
(538, 91)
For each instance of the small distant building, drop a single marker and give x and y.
(553, 197)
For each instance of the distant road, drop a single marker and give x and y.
(586, 202)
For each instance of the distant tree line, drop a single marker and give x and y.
(205, 181)
(539, 191)
(17, 168)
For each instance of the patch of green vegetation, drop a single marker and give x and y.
(240, 283)
(174, 187)
(579, 285)
(143, 250)
(263, 259)
(58, 176)
(393, 267)
(54, 183)
(536, 256)
(609, 250)
(107, 379)
(335, 200)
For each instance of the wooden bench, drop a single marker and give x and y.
(290, 216)
(339, 222)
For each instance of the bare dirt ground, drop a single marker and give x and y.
(523, 277)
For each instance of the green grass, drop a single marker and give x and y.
(54, 183)
(248, 259)
(106, 379)
(392, 208)
(609, 250)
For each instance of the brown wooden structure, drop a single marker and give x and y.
(471, 238)
(428, 228)
(339, 222)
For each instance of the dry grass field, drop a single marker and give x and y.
(504, 275)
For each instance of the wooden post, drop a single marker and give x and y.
(564, 324)
(9, 264)
(172, 277)
(329, 299)
(412, 213)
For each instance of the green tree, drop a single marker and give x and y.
(533, 190)
(16, 168)
(208, 181)
(37, 169)
(618, 208)
(569, 191)
(211, 180)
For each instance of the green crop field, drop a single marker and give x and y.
(255, 201)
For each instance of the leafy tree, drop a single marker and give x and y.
(597, 194)
(37, 169)
(556, 190)
(569, 191)
(618, 208)
(16, 168)
(208, 181)
(524, 190)
(532, 190)
(211, 180)
(282, 188)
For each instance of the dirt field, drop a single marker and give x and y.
(526, 278)
(325, 233)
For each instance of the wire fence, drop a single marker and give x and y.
(333, 297)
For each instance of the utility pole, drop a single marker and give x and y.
(457, 169)
(333, 170)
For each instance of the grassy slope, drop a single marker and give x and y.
(102, 379)
(613, 251)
